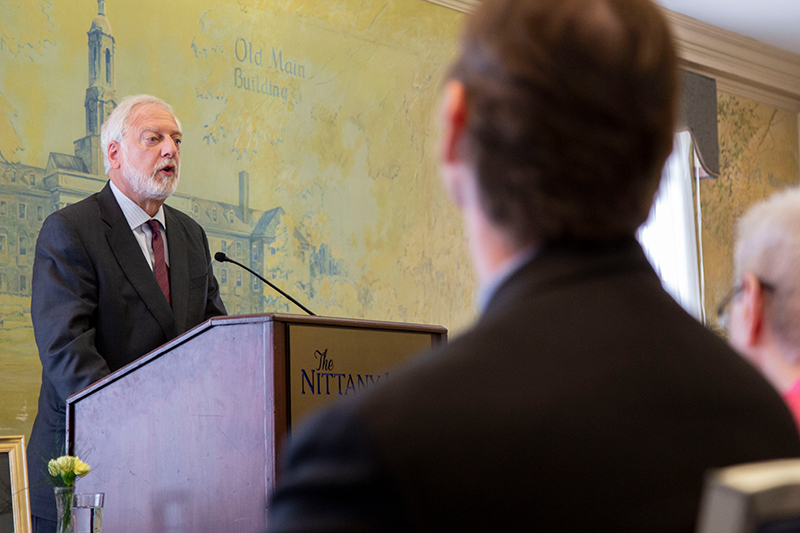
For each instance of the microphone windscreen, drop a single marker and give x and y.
(221, 257)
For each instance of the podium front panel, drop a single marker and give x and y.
(327, 362)
(179, 444)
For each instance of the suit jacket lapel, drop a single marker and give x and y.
(130, 259)
(178, 269)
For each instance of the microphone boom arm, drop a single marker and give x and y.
(221, 257)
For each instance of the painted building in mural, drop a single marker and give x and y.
(28, 194)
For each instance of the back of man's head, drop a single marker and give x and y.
(768, 246)
(571, 105)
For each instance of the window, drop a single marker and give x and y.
(231, 215)
(196, 210)
(23, 284)
(255, 283)
(238, 279)
(39, 213)
(21, 210)
(224, 246)
(2, 243)
(238, 249)
(224, 276)
(3, 208)
(214, 214)
(23, 250)
(671, 236)
(254, 252)
(108, 65)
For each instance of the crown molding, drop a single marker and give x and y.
(740, 65)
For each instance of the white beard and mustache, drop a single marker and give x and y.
(151, 185)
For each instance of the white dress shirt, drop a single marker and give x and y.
(137, 219)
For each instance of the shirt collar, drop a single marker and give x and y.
(135, 215)
(511, 266)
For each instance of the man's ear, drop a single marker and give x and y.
(114, 154)
(454, 169)
(752, 303)
(454, 120)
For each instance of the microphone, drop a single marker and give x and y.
(222, 258)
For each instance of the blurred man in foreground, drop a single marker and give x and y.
(116, 275)
(584, 398)
(763, 309)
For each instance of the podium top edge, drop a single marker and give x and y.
(284, 318)
(326, 321)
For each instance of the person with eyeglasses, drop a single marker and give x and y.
(762, 311)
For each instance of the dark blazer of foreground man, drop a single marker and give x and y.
(96, 303)
(585, 398)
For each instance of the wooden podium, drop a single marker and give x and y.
(185, 438)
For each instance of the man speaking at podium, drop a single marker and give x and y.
(115, 276)
(585, 398)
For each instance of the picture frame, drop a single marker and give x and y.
(14, 495)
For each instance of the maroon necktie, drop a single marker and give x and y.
(160, 265)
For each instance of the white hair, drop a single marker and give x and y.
(768, 246)
(116, 125)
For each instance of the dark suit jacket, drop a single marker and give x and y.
(96, 306)
(585, 399)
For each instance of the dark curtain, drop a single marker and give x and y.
(698, 114)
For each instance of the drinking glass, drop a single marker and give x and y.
(87, 512)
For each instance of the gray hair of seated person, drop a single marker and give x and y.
(768, 246)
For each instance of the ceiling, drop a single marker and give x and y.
(774, 22)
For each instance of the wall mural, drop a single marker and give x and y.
(309, 135)
(758, 157)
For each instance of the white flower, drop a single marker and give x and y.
(52, 467)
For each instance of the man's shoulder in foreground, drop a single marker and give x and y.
(566, 403)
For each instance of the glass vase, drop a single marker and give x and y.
(64, 509)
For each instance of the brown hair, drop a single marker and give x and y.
(571, 106)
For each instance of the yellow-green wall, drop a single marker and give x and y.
(758, 156)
